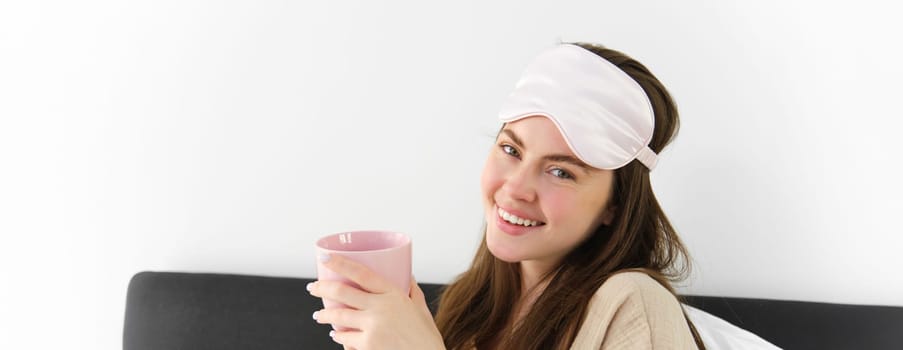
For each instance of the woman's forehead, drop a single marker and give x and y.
(539, 133)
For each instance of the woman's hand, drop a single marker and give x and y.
(380, 316)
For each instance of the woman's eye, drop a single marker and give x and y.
(560, 173)
(510, 150)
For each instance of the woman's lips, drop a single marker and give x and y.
(513, 229)
(517, 218)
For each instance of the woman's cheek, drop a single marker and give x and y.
(490, 178)
(557, 205)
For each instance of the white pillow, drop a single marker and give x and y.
(718, 334)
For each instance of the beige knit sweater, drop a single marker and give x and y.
(633, 311)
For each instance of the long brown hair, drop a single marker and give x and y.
(478, 305)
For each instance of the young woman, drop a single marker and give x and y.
(577, 253)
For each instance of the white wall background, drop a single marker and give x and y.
(226, 136)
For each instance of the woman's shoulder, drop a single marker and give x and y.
(637, 291)
(634, 292)
(632, 310)
(633, 284)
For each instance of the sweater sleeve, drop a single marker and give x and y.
(633, 311)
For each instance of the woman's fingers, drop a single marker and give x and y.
(348, 339)
(339, 292)
(357, 273)
(340, 317)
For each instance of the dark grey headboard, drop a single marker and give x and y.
(168, 310)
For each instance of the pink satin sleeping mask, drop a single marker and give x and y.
(603, 114)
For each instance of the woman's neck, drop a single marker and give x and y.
(534, 280)
(533, 275)
(533, 284)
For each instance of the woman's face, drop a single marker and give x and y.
(531, 177)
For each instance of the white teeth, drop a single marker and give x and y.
(516, 220)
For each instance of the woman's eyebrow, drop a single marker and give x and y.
(514, 138)
(563, 158)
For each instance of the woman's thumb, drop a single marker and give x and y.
(416, 292)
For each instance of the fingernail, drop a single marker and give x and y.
(324, 257)
(332, 334)
(315, 314)
(310, 286)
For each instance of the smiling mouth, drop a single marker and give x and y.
(515, 220)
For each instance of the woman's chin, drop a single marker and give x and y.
(503, 251)
(509, 258)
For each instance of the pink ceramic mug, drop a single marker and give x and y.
(386, 253)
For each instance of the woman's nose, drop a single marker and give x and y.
(520, 185)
